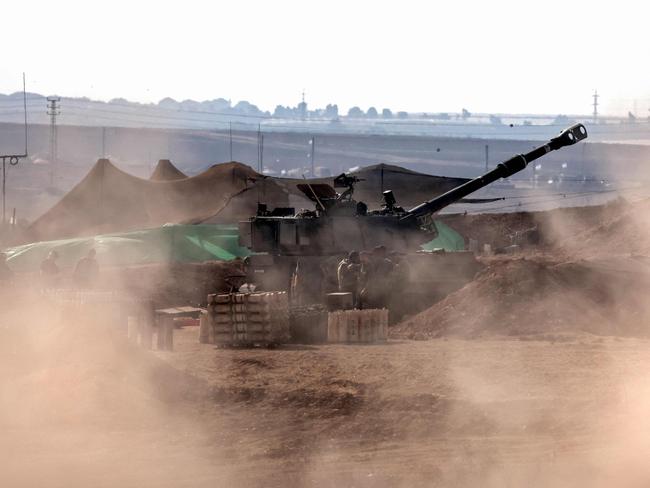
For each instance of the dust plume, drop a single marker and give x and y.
(80, 406)
(554, 356)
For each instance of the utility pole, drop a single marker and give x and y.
(595, 104)
(262, 152)
(303, 107)
(313, 150)
(53, 110)
(230, 138)
(103, 142)
(13, 160)
(487, 152)
(259, 149)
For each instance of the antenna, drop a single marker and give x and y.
(12, 159)
(595, 104)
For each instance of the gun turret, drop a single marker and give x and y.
(567, 137)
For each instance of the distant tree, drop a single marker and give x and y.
(282, 112)
(247, 108)
(191, 105)
(331, 111)
(317, 113)
(165, 103)
(355, 112)
(527, 122)
(216, 105)
(124, 101)
(402, 115)
(387, 113)
(442, 116)
(465, 114)
(631, 118)
(372, 113)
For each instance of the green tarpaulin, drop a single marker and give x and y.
(447, 239)
(170, 243)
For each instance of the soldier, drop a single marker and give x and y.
(50, 270)
(376, 277)
(329, 271)
(349, 275)
(87, 270)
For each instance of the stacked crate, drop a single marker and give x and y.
(357, 325)
(246, 319)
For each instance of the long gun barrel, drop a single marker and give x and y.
(567, 137)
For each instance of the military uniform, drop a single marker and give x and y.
(349, 276)
(377, 273)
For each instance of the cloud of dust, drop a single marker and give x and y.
(567, 405)
(81, 406)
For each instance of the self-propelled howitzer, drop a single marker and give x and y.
(505, 169)
(340, 224)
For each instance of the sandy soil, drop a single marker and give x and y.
(407, 413)
(494, 412)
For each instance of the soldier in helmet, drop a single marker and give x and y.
(87, 270)
(50, 270)
(349, 275)
(377, 272)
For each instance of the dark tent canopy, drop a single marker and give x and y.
(166, 171)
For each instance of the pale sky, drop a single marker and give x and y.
(511, 56)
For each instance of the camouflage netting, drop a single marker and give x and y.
(167, 244)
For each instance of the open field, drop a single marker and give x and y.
(563, 411)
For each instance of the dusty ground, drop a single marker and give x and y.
(494, 412)
(498, 412)
(518, 404)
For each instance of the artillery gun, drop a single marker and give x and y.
(314, 240)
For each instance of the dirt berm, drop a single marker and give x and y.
(540, 297)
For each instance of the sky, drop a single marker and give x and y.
(497, 56)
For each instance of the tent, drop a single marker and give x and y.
(166, 171)
(110, 200)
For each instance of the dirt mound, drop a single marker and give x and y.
(555, 227)
(532, 296)
(623, 232)
(166, 171)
